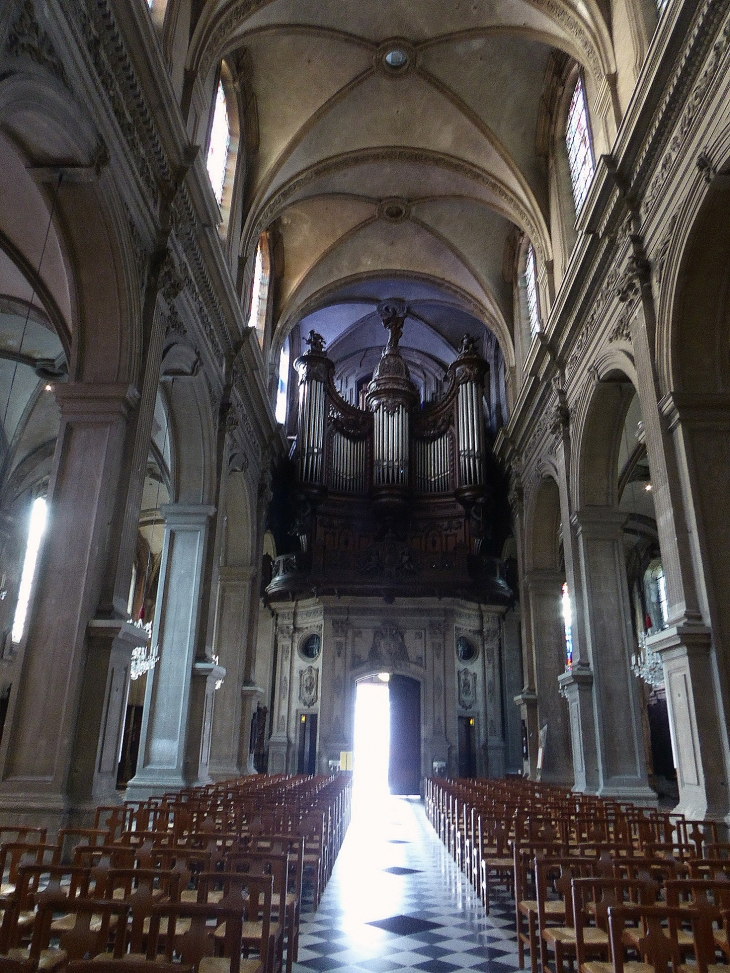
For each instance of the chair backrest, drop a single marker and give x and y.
(195, 939)
(659, 944)
(91, 931)
(252, 894)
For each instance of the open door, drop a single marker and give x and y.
(404, 773)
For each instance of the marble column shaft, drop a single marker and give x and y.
(620, 745)
(577, 684)
(177, 709)
(234, 603)
(548, 637)
(43, 730)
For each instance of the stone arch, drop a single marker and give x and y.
(598, 431)
(193, 472)
(542, 525)
(695, 329)
(461, 298)
(87, 283)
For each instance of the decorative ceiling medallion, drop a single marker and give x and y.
(395, 57)
(394, 210)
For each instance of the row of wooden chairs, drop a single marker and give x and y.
(102, 887)
(568, 860)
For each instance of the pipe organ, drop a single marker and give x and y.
(396, 447)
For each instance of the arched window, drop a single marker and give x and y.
(283, 387)
(260, 289)
(533, 300)
(35, 535)
(220, 140)
(578, 143)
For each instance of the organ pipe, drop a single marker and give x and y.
(393, 433)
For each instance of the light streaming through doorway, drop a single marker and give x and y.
(371, 740)
(35, 534)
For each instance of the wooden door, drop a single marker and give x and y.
(404, 769)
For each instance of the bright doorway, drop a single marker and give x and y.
(371, 741)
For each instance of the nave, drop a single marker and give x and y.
(397, 901)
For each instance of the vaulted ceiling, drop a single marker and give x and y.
(379, 176)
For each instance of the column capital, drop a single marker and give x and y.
(91, 402)
(544, 578)
(599, 522)
(182, 515)
(579, 676)
(709, 409)
(685, 638)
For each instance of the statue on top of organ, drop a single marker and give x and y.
(396, 482)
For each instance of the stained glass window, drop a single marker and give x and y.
(533, 306)
(578, 142)
(568, 626)
(220, 140)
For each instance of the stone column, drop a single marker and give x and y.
(43, 729)
(492, 641)
(280, 747)
(174, 740)
(697, 660)
(548, 636)
(576, 685)
(620, 745)
(103, 703)
(527, 698)
(229, 755)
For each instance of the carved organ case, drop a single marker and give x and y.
(392, 523)
(395, 448)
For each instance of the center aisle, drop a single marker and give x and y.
(396, 901)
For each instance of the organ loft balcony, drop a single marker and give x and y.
(397, 498)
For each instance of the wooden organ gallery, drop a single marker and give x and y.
(392, 513)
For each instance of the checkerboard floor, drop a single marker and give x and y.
(396, 901)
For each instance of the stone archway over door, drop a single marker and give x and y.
(404, 773)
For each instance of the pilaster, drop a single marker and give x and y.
(543, 588)
(619, 738)
(694, 720)
(43, 730)
(177, 706)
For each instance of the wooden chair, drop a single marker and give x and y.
(526, 907)
(141, 889)
(292, 846)
(253, 896)
(13, 854)
(560, 936)
(496, 860)
(90, 933)
(275, 866)
(652, 932)
(123, 965)
(194, 940)
(593, 897)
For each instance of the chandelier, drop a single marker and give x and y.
(647, 663)
(144, 657)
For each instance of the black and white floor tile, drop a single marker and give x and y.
(396, 901)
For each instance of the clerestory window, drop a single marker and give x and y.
(578, 143)
(220, 140)
(533, 301)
